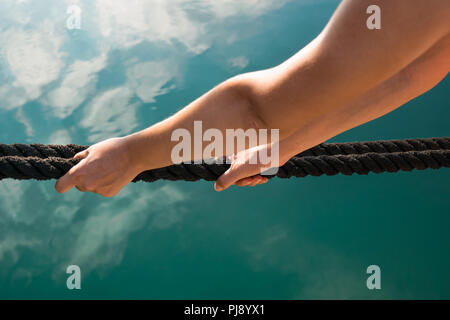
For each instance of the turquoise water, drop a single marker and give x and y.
(136, 62)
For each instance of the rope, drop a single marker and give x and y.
(44, 162)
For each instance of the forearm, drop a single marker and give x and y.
(224, 107)
(414, 80)
(347, 76)
(304, 92)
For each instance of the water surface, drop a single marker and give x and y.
(136, 62)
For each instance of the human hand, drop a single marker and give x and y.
(245, 169)
(105, 168)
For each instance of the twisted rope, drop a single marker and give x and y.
(44, 162)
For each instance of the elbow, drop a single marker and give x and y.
(246, 90)
(256, 90)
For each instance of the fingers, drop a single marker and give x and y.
(81, 189)
(96, 171)
(251, 181)
(238, 176)
(257, 180)
(108, 193)
(66, 182)
(104, 192)
(81, 155)
(245, 182)
(230, 176)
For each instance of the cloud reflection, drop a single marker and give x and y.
(78, 83)
(59, 72)
(68, 231)
(32, 59)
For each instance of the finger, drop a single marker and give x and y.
(81, 189)
(107, 192)
(67, 182)
(81, 155)
(246, 181)
(254, 183)
(257, 181)
(243, 182)
(232, 175)
(262, 180)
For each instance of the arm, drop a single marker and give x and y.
(417, 78)
(347, 60)
(312, 89)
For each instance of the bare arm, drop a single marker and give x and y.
(347, 59)
(316, 88)
(417, 78)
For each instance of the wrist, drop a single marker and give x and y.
(151, 147)
(135, 147)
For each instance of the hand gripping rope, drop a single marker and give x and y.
(45, 162)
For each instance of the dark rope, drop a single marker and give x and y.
(44, 162)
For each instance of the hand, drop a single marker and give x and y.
(245, 169)
(105, 168)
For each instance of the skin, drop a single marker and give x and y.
(347, 76)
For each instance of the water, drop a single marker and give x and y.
(135, 62)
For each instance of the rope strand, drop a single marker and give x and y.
(45, 162)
